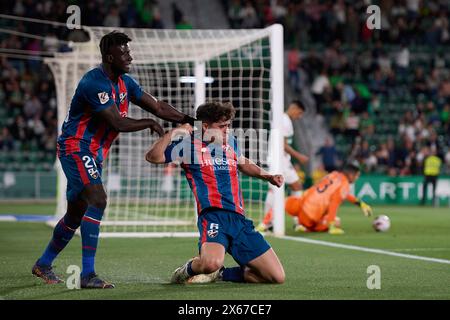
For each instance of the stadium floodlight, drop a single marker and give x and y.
(241, 66)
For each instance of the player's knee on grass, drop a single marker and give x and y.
(210, 265)
(273, 276)
(277, 276)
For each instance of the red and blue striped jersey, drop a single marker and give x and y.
(83, 130)
(211, 171)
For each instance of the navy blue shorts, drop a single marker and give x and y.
(235, 232)
(80, 170)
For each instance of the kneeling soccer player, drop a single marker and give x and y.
(212, 161)
(316, 209)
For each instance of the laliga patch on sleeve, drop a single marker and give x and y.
(104, 97)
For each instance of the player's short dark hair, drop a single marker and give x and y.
(215, 111)
(352, 166)
(112, 39)
(299, 104)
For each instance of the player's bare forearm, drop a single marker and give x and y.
(156, 152)
(352, 199)
(249, 168)
(294, 153)
(112, 117)
(131, 125)
(163, 110)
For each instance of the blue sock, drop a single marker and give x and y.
(189, 269)
(62, 234)
(235, 274)
(90, 229)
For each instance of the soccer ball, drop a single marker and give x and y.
(381, 223)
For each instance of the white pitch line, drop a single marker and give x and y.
(421, 249)
(364, 249)
(8, 218)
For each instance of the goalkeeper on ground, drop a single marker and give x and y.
(317, 209)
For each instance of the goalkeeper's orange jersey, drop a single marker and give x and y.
(325, 197)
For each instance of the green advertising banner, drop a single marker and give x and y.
(399, 190)
(371, 188)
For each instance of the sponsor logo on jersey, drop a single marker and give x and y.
(219, 162)
(103, 97)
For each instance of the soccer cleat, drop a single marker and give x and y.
(300, 228)
(46, 273)
(262, 227)
(92, 281)
(335, 230)
(206, 278)
(180, 275)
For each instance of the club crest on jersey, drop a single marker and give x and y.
(103, 97)
(93, 173)
(213, 230)
(122, 96)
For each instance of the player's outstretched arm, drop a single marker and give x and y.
(162, 109)
(156, 153)
(249, 168)
(366, 209)
(124, 124)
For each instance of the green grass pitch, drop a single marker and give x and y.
(141, 268)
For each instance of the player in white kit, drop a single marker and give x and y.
(294, 112)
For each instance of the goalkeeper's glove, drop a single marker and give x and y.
(332, 229)
(366, 209)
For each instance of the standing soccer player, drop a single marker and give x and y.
(294, 112)
(212, 162)
(98, 112)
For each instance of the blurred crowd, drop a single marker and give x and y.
(360, 79)
(323, 21)
(28, 115)
(108, 13)
(27, 99)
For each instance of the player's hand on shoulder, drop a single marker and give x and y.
(155, 127)
(189, 120)
(181, 131)
(276, 180)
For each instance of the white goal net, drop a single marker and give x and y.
(184, 68)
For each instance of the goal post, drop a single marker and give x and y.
(184, 68)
